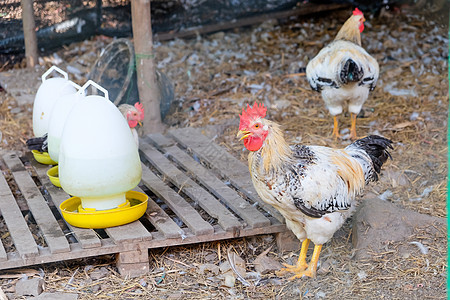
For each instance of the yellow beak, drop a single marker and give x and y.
(242, 134)
(140, 123)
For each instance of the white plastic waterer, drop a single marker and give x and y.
(98, 160)
(48, 93)
(58, 117)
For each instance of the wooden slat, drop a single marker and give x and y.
(160, 140)
(133, 232)
(130, 233)
(2, 252)
(76, 252)
(219, 234)
(42, 214)
(159, 240)
(206, 201)
(242, 208)
(86, 237)
(17, 227)
(177, 204)
(222, 162)
(162, 221)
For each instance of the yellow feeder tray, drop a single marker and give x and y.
(52, 174)
(43, 158)
(130, 211)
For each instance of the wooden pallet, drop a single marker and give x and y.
(197, 191)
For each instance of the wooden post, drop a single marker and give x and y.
(29, 33)
(149, 94)
(133, 263)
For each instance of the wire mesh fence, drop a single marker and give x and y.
(65, 21)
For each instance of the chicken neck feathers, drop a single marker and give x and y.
(350, 31)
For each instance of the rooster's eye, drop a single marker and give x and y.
(256, 126)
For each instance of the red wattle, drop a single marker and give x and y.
(253, 143)
(132, 123)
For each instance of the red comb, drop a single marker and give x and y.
(357, 12)
(256, 111)
(140, 109)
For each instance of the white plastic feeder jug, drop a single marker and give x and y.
(48, 93)
(58, 117)
(98, 160)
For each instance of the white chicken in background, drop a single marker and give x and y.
(344, 72)
(133, 114)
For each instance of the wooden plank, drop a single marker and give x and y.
(53, 235)
(108, 247)
(13, 162)
(86, 237)
(158, 241)
(162, 221)
(17, 227)
(219, 234)
(131, 232)
(177, 204)
(222, 162)
(206, 201)
(242, 208)
(3, 256)
(160, 140)
(2, 252)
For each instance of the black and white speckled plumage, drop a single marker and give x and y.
(374, 146)
(318, 185)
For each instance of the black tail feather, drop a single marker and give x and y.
(40, 143)
(377, 149)
(351, 72)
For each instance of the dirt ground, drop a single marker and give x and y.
(215, 76)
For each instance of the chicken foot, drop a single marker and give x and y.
(353, 127)
(312, 268)
(301, 264)
(335, 128)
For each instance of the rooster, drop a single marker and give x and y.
(133, 114)
(313, 187)
(344, 72)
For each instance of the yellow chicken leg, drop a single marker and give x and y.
(311, 270)
(336, 128)
(301, 264)
(353, 127)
